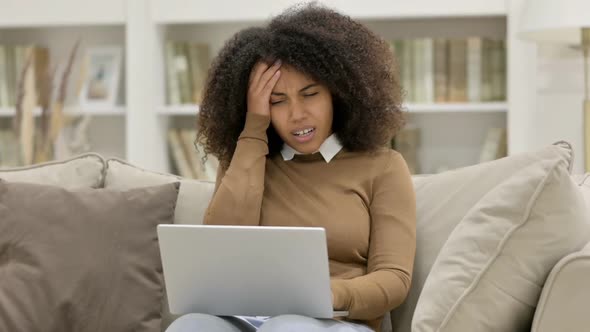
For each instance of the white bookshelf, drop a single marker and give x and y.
(119, 111)
(492, 107)
(182, 11)
(178, 110)
(57, 26)
(497, 107)
(39, 13)
(142, 117)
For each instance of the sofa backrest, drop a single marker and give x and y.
(83, 171)
(193, 198)
(443, 199)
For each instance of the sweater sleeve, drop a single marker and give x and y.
(238, 190)
(392, 248)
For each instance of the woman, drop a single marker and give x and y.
(299, 114)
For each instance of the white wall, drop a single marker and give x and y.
(545, 88)
(559, 99)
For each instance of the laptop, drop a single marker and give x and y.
(246, 270)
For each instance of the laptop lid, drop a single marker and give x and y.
(246, 270)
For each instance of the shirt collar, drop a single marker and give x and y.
(328, 149)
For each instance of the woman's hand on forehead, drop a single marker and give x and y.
(263, 79)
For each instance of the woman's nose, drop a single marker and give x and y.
(297, 111)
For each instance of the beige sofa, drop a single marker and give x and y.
(525, 214)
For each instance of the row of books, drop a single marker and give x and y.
(407, 143)
(439, 70)
(13, 59)
(188, 158)
(186, 69)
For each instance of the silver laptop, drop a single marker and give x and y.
(246, 270)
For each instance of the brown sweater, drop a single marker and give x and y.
(366, 202)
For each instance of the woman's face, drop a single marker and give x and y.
(301, 110)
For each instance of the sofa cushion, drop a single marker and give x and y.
(444, 199)
(81, 260)
(490, 272)
(84, 171)
(193, 199)
(583, 181)
(563, 305)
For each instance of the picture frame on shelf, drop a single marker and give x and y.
(103, 72)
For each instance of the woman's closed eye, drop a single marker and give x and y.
(305, 95)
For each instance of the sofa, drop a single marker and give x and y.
(501, 246)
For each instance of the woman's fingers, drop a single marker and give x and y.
(269, 74)
(271, 83)
(259, 68)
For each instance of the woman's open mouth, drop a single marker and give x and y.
(304, 135)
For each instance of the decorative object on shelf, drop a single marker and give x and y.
(36, 141)
(565, 21)
(103, 68)
(12, 61)
(73, 139)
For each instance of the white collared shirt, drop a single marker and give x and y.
(328, 149)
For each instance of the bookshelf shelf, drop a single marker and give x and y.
(182, 11)
(7, 112)
(499, 107)
(173, 110)
(98, 110)
(34, 13)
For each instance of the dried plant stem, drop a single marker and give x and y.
(26, 105)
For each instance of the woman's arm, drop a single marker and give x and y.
(391, 249)
(238, 191)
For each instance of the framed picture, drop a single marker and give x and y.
(103, 71)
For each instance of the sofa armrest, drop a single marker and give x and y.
(563, 305)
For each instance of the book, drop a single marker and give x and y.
(474, 65)
(199, 60)
(458, 70)
(186, 71)
(180, 162)
(4, 101)
(172, 88)
(441, 70)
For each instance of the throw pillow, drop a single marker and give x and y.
(84, 260)
(193, 199)
(83, 171)
(490, 272)
(444, 199)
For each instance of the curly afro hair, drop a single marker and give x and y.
(355, 64)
